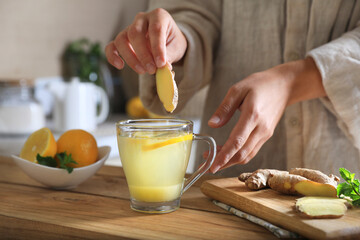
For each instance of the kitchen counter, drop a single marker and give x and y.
(99, 209)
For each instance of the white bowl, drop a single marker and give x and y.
(58, 178)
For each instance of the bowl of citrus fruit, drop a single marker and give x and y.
(61, 164)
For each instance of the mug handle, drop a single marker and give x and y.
(205, 166)
(104, 105)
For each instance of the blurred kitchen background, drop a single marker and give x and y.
(53, 64)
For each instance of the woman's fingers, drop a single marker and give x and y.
(137, 33)
(228, 106)
(238, 137)
(143, 44)
(253, 152)
(261, 99)
(126, 51)
(113, 57)
(251, 148)
(152, 40)
(260, 134)
(158, 26)
(206, 154)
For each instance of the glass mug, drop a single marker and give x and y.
(154, 154)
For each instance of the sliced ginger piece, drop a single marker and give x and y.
(311, 188)
(321, 207)
(166, 88)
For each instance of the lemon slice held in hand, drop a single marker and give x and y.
(40, 142)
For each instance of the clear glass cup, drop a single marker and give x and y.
(154, 154)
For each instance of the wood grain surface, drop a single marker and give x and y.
(99, 209)
(278, 209)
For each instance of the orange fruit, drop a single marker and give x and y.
(81, 145)
(40, 142)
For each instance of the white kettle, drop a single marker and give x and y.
(76, 105)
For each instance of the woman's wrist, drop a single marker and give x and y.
(304, 80)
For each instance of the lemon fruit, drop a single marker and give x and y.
(135, 108)
(40, 142)
(81, 145)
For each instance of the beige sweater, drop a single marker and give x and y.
(231, 39)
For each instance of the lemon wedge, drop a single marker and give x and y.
(40, 142)
(153, 146)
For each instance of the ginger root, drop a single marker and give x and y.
(321, 207)
(315, 175)
(311, 188)
(259, 179)
(285, 183)
(166, 88)
(299, 181)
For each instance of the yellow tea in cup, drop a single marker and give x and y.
(154, 155)
(155, 174)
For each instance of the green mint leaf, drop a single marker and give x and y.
(350, 188)
(65, 160)
(355, 197)
(356, 185)
(356, 202)
(352, 176)
(46, 161)
(345, 174)
(60, 157)
(344, 188)
(69, 169)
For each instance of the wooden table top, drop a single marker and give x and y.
(100, 209)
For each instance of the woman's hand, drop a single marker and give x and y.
(262, 98)
(148, 43)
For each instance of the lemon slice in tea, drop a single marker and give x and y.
(153, 146)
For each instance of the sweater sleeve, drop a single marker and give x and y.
(339, 64)
(200, 22)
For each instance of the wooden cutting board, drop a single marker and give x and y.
(278, 209)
